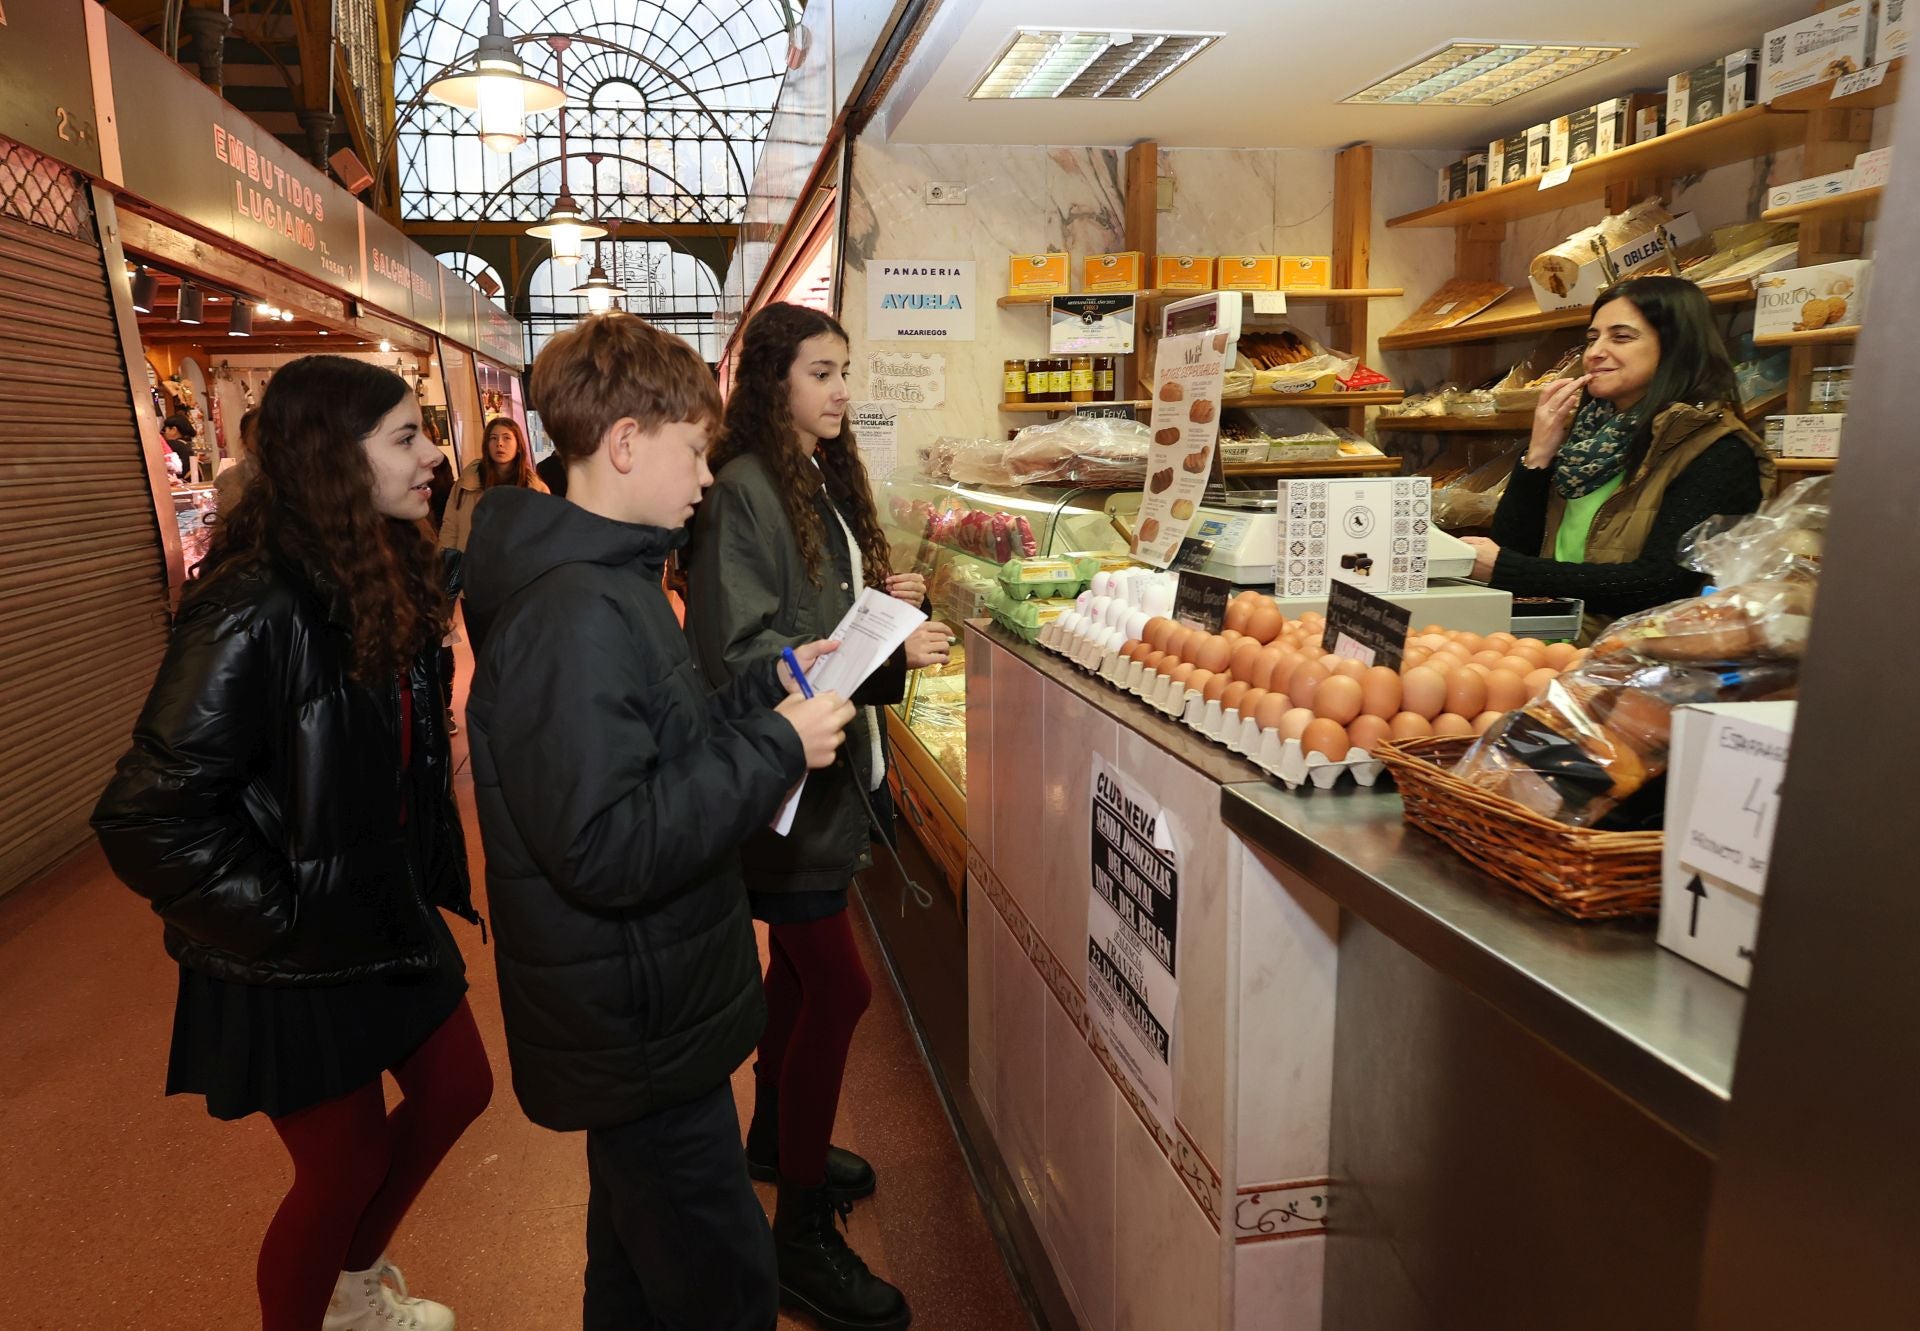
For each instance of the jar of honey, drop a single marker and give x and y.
(1039, 382)
(1105, 387)
(1013, 381)
(1080, 379)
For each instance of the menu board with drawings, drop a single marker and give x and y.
(1370, 532)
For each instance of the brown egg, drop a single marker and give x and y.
(1452, 723)
(1476, 668)
(1431, 629)
(1501, 641)
(1156, 632)
(1304, 682)
(1473, 642)
(1328, 737)
(1537, 655)
(1286, 703)
(1265, 622)
(1231, 695)
(1366, 732)
(1505, 691)
(1519, 665)
(1424, 691)
(1180, 673)
(1337, 699)
(1269, 711)
(1536, 682)
(1346, 665)
(1215, 688)
(1410, 725)
(1198, 680)
(1466, 693)
(1266, 666)
(1560, 654)
(1177, 642)
(1233, 636)
(1210, 652)
(1443, 664)
(1250, 701)
(1484, 720)
(1239, 609)
(1487, 658)
(1414, 656)
(1294, 723)
(1379, 692)
(1245, 653)
(1154, 660)
(1530, 645)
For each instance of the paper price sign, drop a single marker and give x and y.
(1737, 801)
(1847, 85)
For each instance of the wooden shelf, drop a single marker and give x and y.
(1812, 337)
(1772, 405)
(1517, 314)
(1369, 466)
(1066, 406)
(1804, 464)
(1860, 204)
(1316, 296)
(1754, 132)
(1384, 398)
(1506, 422)
(1820, 96)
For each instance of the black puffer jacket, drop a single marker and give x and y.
(614, 791)
(259, 808)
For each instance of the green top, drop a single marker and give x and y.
(1576, 522)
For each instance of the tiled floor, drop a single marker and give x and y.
(122, 1209)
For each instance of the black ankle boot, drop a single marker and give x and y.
(849, 1177)
(821, 1274)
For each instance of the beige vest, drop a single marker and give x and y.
(1681, 433)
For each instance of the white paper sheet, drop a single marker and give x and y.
(869, 633)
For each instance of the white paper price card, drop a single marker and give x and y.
(1269, 302)
(1847, 85)
(1729, 835)
(1560, 175)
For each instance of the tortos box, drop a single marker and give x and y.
(1828, 295)
(1183, 272)
(1305, 272)
(1038, 275)
(1249, 272)
(1112, 272)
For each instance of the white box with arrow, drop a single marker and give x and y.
(1725, 768)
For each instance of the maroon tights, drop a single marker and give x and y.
(816, 990)
(357, 1168)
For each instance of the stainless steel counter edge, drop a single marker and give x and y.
(1652, 1026)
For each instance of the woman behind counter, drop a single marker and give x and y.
(1613, 479)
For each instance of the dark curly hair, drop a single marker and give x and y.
(311, 503)
(759, 422)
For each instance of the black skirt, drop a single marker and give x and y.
(253, 1048)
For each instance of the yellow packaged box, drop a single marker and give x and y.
(1183, 272)
(1039, 275)
(1249, 272)
(1113, 272)
(1305, 272)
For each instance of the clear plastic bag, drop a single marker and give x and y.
(1098, 451)
(980, 462)
(1468, 499)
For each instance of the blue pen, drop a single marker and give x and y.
(799, 675)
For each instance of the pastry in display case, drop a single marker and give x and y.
(959, 537)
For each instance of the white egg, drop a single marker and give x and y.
(1103, 583)
(1136, 624)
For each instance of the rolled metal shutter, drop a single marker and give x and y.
(83, 594)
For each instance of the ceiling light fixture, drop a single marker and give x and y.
(599, 289)
(286, 316)
(191, 306)
(385, 345)
(240, 320)
(565, 227)
(145, 287)
(1468, 73)
(498, 87)
(1079, 63)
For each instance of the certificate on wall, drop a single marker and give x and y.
(1092, 325)
(921, 299)
(1133, 935)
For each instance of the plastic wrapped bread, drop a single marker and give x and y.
(1558, 269)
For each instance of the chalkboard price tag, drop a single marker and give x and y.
(1201, 602)
(1364, 627)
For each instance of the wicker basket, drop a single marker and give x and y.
(1580, 872)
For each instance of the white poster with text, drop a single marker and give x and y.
(1133, 922)
(907, 379)
(876, 429)
(922, 299)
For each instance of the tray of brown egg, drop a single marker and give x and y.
(1266, 687)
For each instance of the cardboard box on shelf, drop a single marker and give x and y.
(1724, 772)
(1814, 187)
(1248, 272)
(1183, 272)
(1306, 272)
(1817, 48)
(1798, 300)
(1559, 142)
(1717, 88)
(1892, 34)
(1650, 120)
(1814, 435)
(1513, 166)
(1112, 272)
(1038, 275)
(1539, 139)
(1583, 135)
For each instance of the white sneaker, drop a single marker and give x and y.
(365, 1301)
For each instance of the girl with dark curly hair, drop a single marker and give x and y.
(287, 808)
(786, 540)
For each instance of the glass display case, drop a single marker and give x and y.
(957, 537)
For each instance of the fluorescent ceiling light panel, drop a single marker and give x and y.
(1094, 65)
(1488, 73)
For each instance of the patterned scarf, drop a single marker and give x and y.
(1596, 448)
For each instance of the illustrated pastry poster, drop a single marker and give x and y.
(1369, 532)
(1188, 377)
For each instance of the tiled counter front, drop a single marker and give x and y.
(1219, 1223)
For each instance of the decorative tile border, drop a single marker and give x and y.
(1199, 1175)
(1272, 1211)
